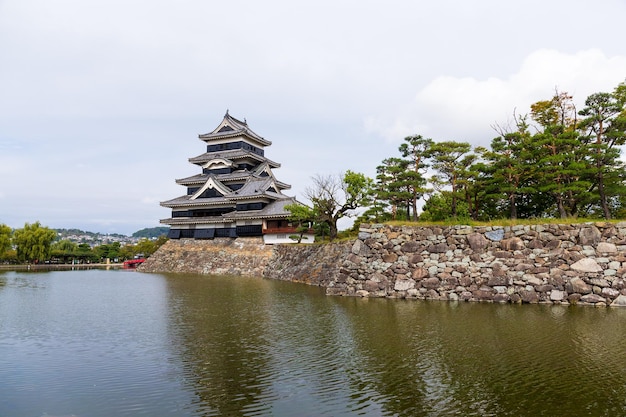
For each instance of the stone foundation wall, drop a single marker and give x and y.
(220, 256)
(582, 264)
(311, 264)
(561, 264)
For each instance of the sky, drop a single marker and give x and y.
(102, 101)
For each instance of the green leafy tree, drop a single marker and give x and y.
(559, 154)
(108, 251)
(336, 197)
(5, 239)
(114, 249)
(474, 182)
(620, 95)
(302, 216)
(438, 208)
(127, 252)
(603, 134)
(63, 250)
(415, 148)
(450, 160)
(33, 242)
(510, 166)
(102, 251)
(145, 247)
(85, 253)
(65, 246)
(391, 184)
(377, 212)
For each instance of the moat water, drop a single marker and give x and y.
(121, 343)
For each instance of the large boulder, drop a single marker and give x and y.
(419, 273)
(557, 295)
(619, 301)
(589, 236)
(577, 285)
(514, 243)
(438, 248)
(477, 241)
(608, 248)
(495, 235)
(586, 265)
(410, 247)
(404, 284)
(529, 296)
(431, 283)
(592, 298)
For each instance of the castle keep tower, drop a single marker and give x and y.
(236, 194)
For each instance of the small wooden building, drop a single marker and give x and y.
(236, 194)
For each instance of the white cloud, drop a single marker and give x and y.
(150, 201)
(13, 167)
(101, 98)
(465, 108)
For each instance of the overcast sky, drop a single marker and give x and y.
(101, 102)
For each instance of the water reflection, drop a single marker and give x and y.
(102, 343)
(256, 347)
(85, 343)
(223, 348)
(478, 359)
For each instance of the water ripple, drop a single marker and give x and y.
(86, 344)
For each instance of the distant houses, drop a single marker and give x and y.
(94, 239)
(236, 193)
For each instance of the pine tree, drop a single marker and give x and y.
(603, 133)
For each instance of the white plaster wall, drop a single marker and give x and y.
(284, 238)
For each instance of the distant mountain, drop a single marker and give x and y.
(151, 232)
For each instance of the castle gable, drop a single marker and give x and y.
(211, 184)
(231, 127)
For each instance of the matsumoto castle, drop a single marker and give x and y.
(236, 194)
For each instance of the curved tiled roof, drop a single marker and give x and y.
(254, 187)
(232, 127)
(273, 210)
(185, 201)
(233, 155)
(195, 220)
(200, 179)
(276, 209)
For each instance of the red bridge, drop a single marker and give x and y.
(132, 263)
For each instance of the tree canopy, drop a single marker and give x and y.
(33, 242)
(36, 243)
(553, 162)
(5, 238)
(337, 196)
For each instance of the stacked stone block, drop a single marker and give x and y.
(556, 263)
